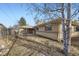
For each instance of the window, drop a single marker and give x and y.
(48, 28)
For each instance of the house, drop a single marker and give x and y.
(21, 30)
(53, 29)
(3, 30)
(12, 30)
(29, 30)
(25, 30)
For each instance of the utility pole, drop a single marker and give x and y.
(66, 25)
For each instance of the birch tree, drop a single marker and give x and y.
(66, 28)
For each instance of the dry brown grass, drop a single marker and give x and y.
(39, 46)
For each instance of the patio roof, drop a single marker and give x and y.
(26, 26)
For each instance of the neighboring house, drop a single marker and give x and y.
(30, 29)
(3, 30)
(53, 29)
(21, 30)
(24, 30)
(13, 30)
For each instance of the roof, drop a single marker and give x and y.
(2, 26)
(26, 26)
(29, 26)
(75, 23)
(57, 21)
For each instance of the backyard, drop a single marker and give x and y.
(32, 45)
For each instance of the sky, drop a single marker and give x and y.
(10, 14)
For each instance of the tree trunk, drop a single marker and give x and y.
(63, 29)
(66, 29)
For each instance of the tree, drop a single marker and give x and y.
(65, 22)
(45, 12)
(22, 22)
(58, 11)
(66, 28)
